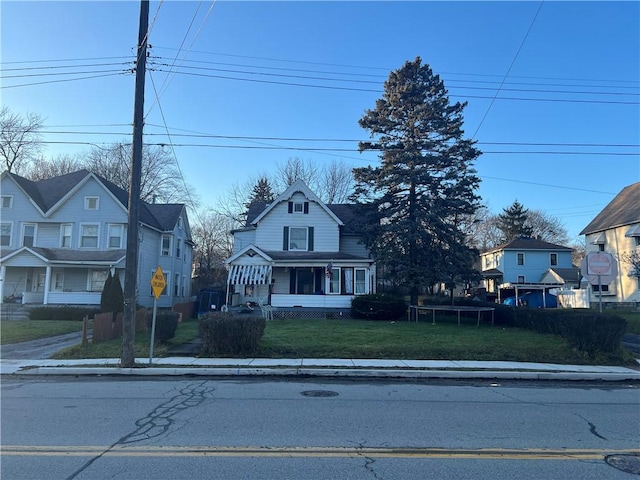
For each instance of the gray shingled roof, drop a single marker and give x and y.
(624, 209)
(69, 255)
(528, 243)
(568, 274)
(46, 193)
(288, 255)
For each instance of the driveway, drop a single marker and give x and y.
(39, 349)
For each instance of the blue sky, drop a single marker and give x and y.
(553, 88)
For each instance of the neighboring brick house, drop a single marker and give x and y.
(299, 252)
(59, 237)
(527, 263)
(616, 230)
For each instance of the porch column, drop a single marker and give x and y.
(3, 273)
(47, 283)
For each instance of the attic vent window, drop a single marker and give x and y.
(298, 207)
(91, 203)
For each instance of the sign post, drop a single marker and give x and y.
(158, 284)
(600, 267)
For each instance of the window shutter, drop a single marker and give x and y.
(310, 232)
(290, 207)
(306, 207)
(285, 239)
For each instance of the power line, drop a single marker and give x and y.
(62, 80)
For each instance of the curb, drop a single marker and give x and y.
(332, 373)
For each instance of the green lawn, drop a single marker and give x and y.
(15, 331)
(387, 340)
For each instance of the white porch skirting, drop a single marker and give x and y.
(311, 301)
(74, 298)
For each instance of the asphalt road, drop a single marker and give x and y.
(207, 428)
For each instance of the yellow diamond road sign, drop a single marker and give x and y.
(158, 282)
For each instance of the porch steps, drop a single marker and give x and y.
(14, 311)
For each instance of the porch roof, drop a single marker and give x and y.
(289, 256)
(68, 256)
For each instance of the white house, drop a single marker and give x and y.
(59, 238)
(299, 252)
(616, 230)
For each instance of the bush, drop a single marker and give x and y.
(225, 334)
(62, 313)
(166, 325)
(112, 297)
(378, 306)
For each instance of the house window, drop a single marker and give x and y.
(176, 285)
(360, 281)
(7, 201)
(334, 281)
(65, 235)
(89, 236)
(520, 278)
(28, 234)
(116, 233)
(178, 245)
(601, 247)
(600, 288)
(58, 281)
(166, 245)
(184, 281)
(298, 207)
(5, 234)
(97, 279)
(297, 238)
(553, 259)
(520, 258)
(637, 241)
(91, 203)
(166, 286)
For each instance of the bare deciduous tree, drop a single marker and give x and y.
(160, 179)
(214, 243)
(42, 168)
(337, 183)
(20, 139)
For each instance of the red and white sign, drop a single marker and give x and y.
(600, 263)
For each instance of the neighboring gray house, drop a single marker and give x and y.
(299, 252)
(59, 238)
(616, 230)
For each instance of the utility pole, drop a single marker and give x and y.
(128, 359)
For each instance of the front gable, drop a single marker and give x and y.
(297, 221)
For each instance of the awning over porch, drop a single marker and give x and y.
(249, 275)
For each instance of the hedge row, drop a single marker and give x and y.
(225, 334)
(62, 313)
(166, 325)
(585, 330)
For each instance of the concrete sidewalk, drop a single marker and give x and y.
(318, 367)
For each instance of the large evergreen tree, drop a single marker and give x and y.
(425, 183)
(513, 222)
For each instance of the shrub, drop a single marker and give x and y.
(62, 313)
(225, 334)
(166, 325)
(112, 297)
(378, 306)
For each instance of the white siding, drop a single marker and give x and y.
(269, 234)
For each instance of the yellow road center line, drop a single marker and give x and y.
(326, 452)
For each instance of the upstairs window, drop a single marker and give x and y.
(166, 245)
(298, 207)
(28, 234)
(89, 236)
(178, 247)
(116, 234)
(7, 201)
(65, 235)
(520, 258)
(5, 234)
(553, 259)
(91, 203)
(297, 238)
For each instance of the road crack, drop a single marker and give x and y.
(158, 421)
(592, 427)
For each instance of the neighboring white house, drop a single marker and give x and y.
(299, 252)
(59, 237)
(616, 230)
(527, 264)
